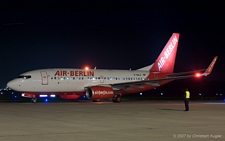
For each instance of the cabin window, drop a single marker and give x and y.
(25, 76)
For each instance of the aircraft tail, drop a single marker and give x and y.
(166, 60)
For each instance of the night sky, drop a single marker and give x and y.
(108, 34)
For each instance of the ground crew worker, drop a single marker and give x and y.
(186, 100)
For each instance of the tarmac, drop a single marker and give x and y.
(107, 121)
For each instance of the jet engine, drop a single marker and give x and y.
(99, 92)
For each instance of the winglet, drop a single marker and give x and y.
(210, 67)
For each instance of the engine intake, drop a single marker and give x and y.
(99, 92)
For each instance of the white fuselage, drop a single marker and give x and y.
(72, 80)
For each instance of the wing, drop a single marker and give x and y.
(169, 77)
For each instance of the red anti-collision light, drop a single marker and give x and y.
(197, 74)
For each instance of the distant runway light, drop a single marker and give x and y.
(43, 95)
(200, 94)
(52, 95)
(15, 96)
(46, 100)
(161, 93)
(140, 93)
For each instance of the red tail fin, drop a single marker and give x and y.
(166, 60)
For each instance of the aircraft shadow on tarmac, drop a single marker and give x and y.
(171, 109)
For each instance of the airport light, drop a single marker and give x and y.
(46, 100)
(43, 95)
(161, 94)
(52, 95)
(200, 94)
(140, 93)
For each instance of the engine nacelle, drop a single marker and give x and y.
(99, 92)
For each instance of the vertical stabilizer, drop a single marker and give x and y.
(166, 60)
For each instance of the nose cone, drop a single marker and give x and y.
(11, 84)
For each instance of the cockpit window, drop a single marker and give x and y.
(25, 76)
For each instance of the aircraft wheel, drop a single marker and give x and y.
(34, 100)
(117, 99)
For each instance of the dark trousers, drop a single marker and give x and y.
(186, 103)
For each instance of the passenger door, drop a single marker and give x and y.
(44, 77)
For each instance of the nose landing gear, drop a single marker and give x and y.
(29, 95)
(34, 100)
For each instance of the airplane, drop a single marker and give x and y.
(101, 84)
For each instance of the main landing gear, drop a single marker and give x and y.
(117, 99)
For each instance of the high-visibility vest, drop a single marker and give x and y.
(187, 94)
